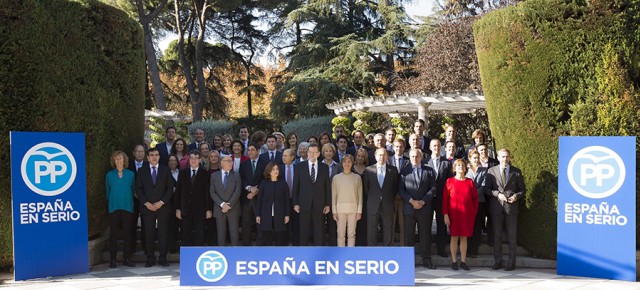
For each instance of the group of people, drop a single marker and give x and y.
(272, 189)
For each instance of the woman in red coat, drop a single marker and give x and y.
(459, 206)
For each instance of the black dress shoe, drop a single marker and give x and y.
(150, 262)
(464, 266)
(428, 265)
(454, 266)
(113, 264)
(128, 263)
(496, 267)
(510, 268)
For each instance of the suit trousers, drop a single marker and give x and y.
(346, 224)
(332, 229)
(398, 218)
(248, 220)
(210, 232)
(221, 226)
(193, 226)
(441, 228)
(372, 227)
(424, 221)
(294, 227)
(313, 219)
(474, 242)
(150, 218)
(120, 224)
(511, 222)
(361, 229)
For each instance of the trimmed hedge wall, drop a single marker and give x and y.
(69, 66)
(551, 68)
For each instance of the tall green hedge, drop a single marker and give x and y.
(69, 66)
(553, 68)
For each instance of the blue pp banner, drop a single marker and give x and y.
(208, 266)
(597, 207)
(48, 186)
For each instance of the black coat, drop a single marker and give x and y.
(274, 194)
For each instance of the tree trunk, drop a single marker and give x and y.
(186, 66)
(248, 68)
(198, 104)
(150, 51)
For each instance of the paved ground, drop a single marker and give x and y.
(157, 278)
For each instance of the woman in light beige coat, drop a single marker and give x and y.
(346, 199)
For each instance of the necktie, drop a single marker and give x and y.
(224, 180)
(193, 175)
(398, 164)
(272, 156)
(313, 173)
(416, 176)
(154, 174)
(504, 176)
(289, 180)
(380, 176)
(138, 165)
(253, 166)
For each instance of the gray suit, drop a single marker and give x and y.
(230, 194)
(504, 212)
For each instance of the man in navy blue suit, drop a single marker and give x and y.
(272, 154)
(164, 148)
(198, 135)
(251, 173)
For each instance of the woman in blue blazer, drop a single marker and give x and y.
(273, 207)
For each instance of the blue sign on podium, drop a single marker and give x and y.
(48, 186)
(597, 207)
(208, 266)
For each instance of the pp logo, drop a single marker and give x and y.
(48, 169)
(211, 266)
(596, 172)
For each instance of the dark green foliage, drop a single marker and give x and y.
(305, 128)
(69, 66)
(551, 68)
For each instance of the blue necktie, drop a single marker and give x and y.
(154, 174)
(380, 176)
(224, 180)
(272, 156)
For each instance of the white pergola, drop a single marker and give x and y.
(455, 103)
(166, 115)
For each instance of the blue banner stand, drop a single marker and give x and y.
(49, 204)
(597, 207)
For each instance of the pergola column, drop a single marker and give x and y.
(423, 113)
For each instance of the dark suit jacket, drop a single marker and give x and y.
(352, 149)
(404, 161)
(443, 172)
(267, 157)
(249, 178)
(514, 187)
(147, 191)
(311, 196)
(421, 189)
(192, 197)
(372, 156)
(479, 180)
(276, 194)
(458, 153)
(425, 140)
(132, 165)
(231, 194)
(193, 146)
(164, 154)
(377, 196)
(492, 162)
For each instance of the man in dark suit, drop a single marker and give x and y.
(358, 142)
(419, 128)
(458, 147)
(389, 136)
(251, 174)
(485, 160)
(225, 192)
(341, 148)
(417, 184)
(198, 135)
(135, 163)
(193, 204)
(339, 130)
(380, 184)
(312, 196)
(243, 135)
(154, 188)
(287, 170)
(378, 142)
(442, 168)
(165, 147)
(505, 183)
(272, 154)
(399, 161)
